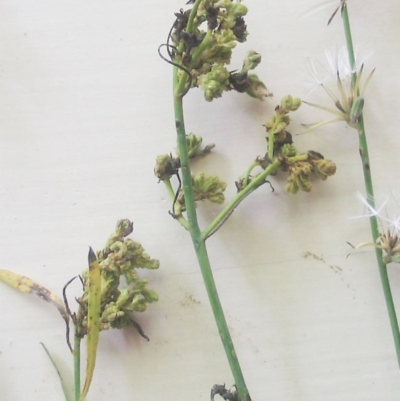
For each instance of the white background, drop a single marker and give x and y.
(86, 106)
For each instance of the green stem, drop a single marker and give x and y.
(200, 49)
(77, 367)
(179, 86)
(246, 176)
(371, 199)
(192, 15)
(227, 211)
(201, 250)
(178, 216)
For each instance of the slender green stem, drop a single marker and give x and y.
(200, 49)
(201, 250)
(371, 199)
(246, 176)
(225, 213)
(77, 367)
(192, 15)
(179, 86)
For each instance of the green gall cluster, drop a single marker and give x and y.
(251, 61)
(119, 260)
(166, 167)
(223, 14)
(299, 178)
(208, 187)
(204, 54)
(301, 166)
(324, 168)
(205, 187)
(215, 82)
(288, 151)
(193, 144)
(289, 103)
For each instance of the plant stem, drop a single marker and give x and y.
(246, 176)
(224, 214)
(201, 250)
(77, 367)
(370, 197)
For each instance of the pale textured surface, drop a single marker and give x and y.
(85, 108)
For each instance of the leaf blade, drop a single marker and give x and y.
(25, 284)
(93, 319)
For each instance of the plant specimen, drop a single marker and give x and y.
(106, 301)
(199, 47)
(350, 109)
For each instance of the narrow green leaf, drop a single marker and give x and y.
(67, 393)
(93, 319)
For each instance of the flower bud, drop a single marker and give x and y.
(251, 61)
(164, 168)
(324, 168)
(124, 228)
(209, 187)
(289, 103)
(257, 88)
(214, 82)
(193, 143)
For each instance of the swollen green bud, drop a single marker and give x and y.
(257, 88)
(304, 183)
(215, 82)
(123, 298)
(124, 228)
(251, 61)
(150, 295)
(239, 10)
(164, 168)
(288, 150)
(270, 122)
(193, 143)
(209, 187)
(324, 168)
(289, 103)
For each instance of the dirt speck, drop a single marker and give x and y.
(308, 255)
(188, 301)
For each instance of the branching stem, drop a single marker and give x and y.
(200, 247)
(255, 183)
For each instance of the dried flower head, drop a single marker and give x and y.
(349, 95)
(389, 237)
